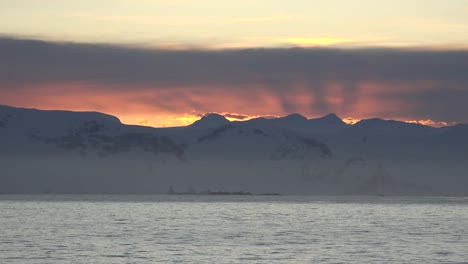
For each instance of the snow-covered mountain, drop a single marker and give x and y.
(89, 152)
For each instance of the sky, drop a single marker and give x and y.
(166, 63)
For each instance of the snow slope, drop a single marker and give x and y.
(88, 152)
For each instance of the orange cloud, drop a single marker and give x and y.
(429, 122)
(144, 106)
(181, 106)
(143, 122)
(350, 120)
(160, 86)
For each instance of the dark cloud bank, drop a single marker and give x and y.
(436, 81)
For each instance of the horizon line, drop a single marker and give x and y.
(231, 119)
(188, 46)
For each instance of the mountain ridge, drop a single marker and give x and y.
(215, 119)
(89, 152)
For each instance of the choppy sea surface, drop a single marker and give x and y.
(232, 229)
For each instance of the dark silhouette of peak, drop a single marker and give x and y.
(38, 117)
(328, 123)
(370, 122)
(390, 126)
(214, 118)
(297, 121)
(290, 121)
(294, 117)
(332, 116)
(210, 121)
(330, 119)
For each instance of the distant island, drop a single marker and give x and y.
(191, 191)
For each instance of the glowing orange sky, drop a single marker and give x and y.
(183, 105)
(167, 63)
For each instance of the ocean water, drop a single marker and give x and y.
(232, 229)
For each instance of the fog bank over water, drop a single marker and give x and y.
(73, 152)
